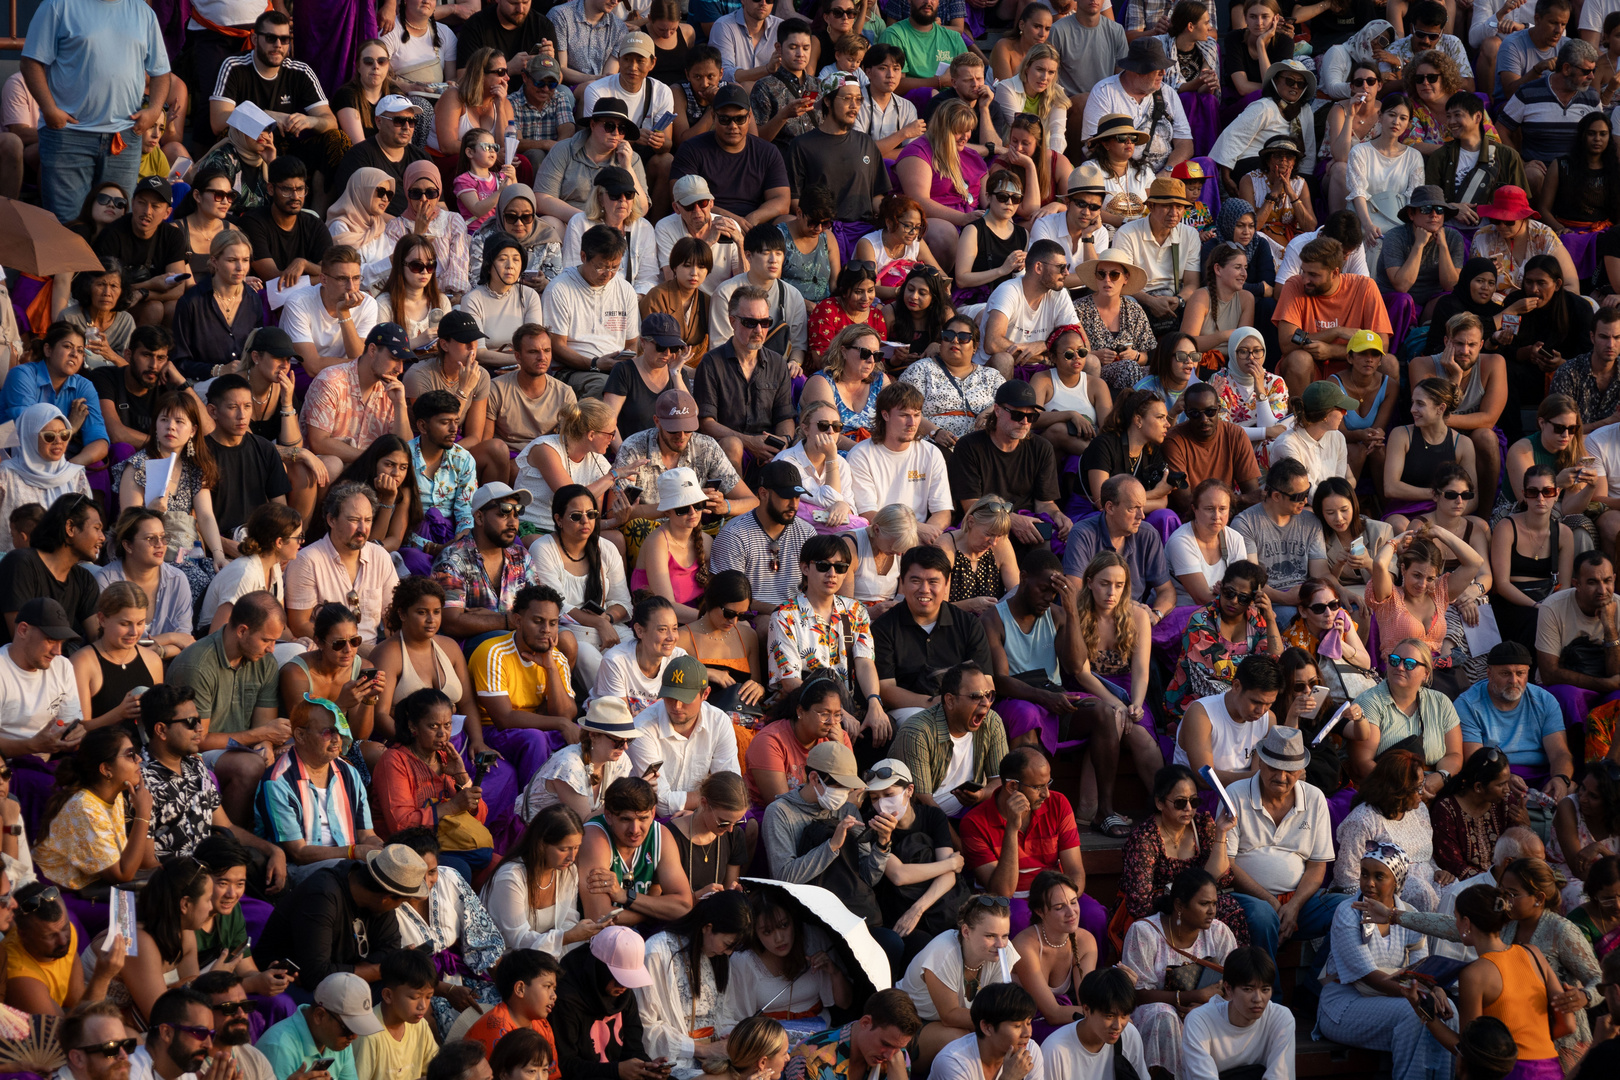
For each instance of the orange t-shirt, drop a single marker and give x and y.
(489, 1028)
(1355, 304)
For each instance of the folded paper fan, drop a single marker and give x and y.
(30, 1043)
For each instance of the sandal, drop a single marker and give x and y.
(1114, 826)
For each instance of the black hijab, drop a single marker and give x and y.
(1459, 300)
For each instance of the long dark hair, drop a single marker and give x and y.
(395, 286)
(724, 912)
(767, 910)
(363, 470)
(83, 770)
(1293, 661)
(197, 449)
(595, 588)
(552, 826)
(904, 329)
(1338, 485)
(1578, 175)
(158, 906)
(1552, 321)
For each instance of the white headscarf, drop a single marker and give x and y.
(353, 208)
(1359, 44)
(1234, 370)
(53, 478)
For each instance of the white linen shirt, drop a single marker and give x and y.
(1108, 96)
(688, 759)
(1164, 263)
(1244, 136)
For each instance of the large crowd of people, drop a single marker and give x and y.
(473, 564)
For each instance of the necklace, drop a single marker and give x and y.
(692, 847)
(123, 666)
(1041, 930)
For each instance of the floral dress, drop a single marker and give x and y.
(857, 422)
(951, 403)
(1241, 406)
(1149, 871)
(463, 938)
(1488, 243)
(1208, 661)
(179, 520)
(1465, 845)
(1135, 332)
(829, 317)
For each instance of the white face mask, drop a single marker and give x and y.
(832, 798)
(893, 805)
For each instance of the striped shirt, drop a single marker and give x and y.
(1545, 125)
(499, 670)
(772, 566)
(289, 807)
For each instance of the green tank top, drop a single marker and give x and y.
(639, 873)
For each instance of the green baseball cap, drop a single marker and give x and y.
(685, 679)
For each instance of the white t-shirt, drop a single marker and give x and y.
(304, 317)
(1329, 456)
(405, 55)
(1066, 1058)
(959, 1060)
(1055, 227)
(958, 772)
(1024, 323)
(653, 100)
(1604, 444)
(943, 957)
(1185, 558)
(226, 12)
(1210, 1042)
(914, 476)
(31, 699)
(621, 676)
(728, 260)
(240, 577)
(1355, 260)
(596, 322)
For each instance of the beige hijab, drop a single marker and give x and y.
(357, 225)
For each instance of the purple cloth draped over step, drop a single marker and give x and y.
(327, 35)
(1582, 248)
(1403, 315)
(1204, 117)
(848, 234)
(1576, 703)
(32, 778)
(172, 17)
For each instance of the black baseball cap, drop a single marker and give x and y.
(157, 187)
(273, 340)
(782, 477)
(1017, 394)
(392, 337)
(460, 326)
(48, 617)
(730, 94)
(616, 181)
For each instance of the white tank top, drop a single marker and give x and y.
(1071, 399)
(871, 586)
(913, 251)
(1232, 743)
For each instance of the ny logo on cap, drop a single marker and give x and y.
(677, 676)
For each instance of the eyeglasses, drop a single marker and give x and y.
(374, 61)
(417, 266)
(1406, 663)
(1194, 414)
(1324, 607)
(224, 195)
(201, 1034)
(113, 201)
(731, 119)
(416, 194)
(384, 193)
(1182, 803)
(48, 895)
(231, 1008)
(1109, 275)
(517, 219)
(1562, 429)
(111, 1049)
(1241, 599)
(1251, 354)
(824, 565)
(732, 616)
(1464, 495)
(578, 516)
(275, 39)
(908, 226)
(753, 324)
(1541, 493)
(956, 337)
(1022, 416)
(1426, 77)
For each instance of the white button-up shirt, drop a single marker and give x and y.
(688, 759)
(1165, 263)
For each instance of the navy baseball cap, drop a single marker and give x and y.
(392, 337)
(662, 328)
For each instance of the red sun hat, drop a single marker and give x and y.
(1508, 204)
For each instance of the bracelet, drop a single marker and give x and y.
(351, 851)
(1178, 999)
(288, 412)
(1565, 779)
(135, 819)
(385, 506)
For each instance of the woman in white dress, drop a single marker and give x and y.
(874, 576)
(573, 454)
(587, 572)
(634, 669)
(534, 895)
(943, 979)
(1175, 955)
(1200, 551)
(1382, 174)
(784, 973)
(680, 1008)
(577, 775)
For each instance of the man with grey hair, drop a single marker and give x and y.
(744, 390)
(342, 567)
(1140, 92)
(1540, 119)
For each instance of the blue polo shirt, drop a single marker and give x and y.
(1144, 553)
(30, 384)
(1518, 731)
(289, 1046)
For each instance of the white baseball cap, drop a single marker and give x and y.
(346, 996)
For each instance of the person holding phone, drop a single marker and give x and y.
(421, 780)
(1002, 459)
(744, 389)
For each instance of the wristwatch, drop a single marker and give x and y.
(13, 830)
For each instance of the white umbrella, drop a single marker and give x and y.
(852, 941)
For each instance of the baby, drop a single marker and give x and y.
(847, 53)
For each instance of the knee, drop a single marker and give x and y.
(1297, 362)
(1390, 366)
(1397, 522)
(1003, 363)
(334, 467)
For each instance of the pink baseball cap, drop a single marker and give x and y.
(624, 952)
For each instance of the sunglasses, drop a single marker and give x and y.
(731, 119)
(824, 565)
(578, 516)
(1369, 80)
(232, 1008)
(1324, 607)
(956, 337)
(1006, 197)
(826, 427)
(54, 437)
(701, 204)
(1241, 599)
(1124, 140)
(275, 39)
(48, 895)
(1426, 77)
(1298, 498)
(840, 13)
(351, 642)
(864, 354)
(113, 201)
(546, 84)
(1541, 493)
(111, 1049)
(402, 121)
(985, 900)
(201, 1034)
(1182, 803)
(695, 508)
(384, 193)
(1075, 354)
(613, 127)
(616, 742)
(518, 219)
(1194, 414)
(496, 73)
(1109, 275)
(1406, 663)
(753, 324)
(1291, 81)
(374, 61)
(732, 616)
(417, 266)
(1563, 429)
(1086, 205)
(1022, 416)
(1428, 209)
(882, 772)
(192, 722)
(1465, 494)
(418, 193)
(224, 195)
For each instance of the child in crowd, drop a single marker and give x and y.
(477, 185)
(22, 522)
(405, 1045)
(847, 53)
(526, 979)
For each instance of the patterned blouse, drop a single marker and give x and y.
(800, 639)
(456, 924)
(1208, 661)
(1149, 872)
(1241, 406)
(1488, 243)
(1465, 845)
(969, 580)
(952, 403)
(1134, 333)
(1426, 128)
(86, 836)
(178, 520)
(829, 317)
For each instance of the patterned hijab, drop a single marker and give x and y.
(1226, 223)
(1393, 856)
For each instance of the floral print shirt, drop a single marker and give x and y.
(1134, 333)
(1208, 659)
(1427, 128)
(829, 317)
(1241, 406)
(800, 639)
(183, 805)
(450, 489)
(952, 403)
(1148, 872)
(821, 1057)
(460, 570)
(1489, 244)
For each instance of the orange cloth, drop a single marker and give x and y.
(488, 1029)
(1522, 1005)
(402, 786)
(1355, 304)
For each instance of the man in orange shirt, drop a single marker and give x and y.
(526, 979)
(1319, 310)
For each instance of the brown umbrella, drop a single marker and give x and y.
(33, 241)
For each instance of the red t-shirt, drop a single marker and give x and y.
(1052, 831)
(777, 749)
(489, 1028)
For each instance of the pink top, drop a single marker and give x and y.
(974, 170)
(482, 188)
(682, 580)
(1397, 623)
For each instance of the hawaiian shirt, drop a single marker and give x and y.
(821, 1057)
(183, 805)
(459, 569)
(800, 639)
(450, 490)
(1208, 661)
(776, 92)
(1574, 378)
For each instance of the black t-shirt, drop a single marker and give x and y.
(369, 155)
(851, 165)
(1024, 477)
(707, 865)
(484, 31)
(24, 575)
(1109, 453)
(347, 97)
(295, 89)
(307, 239)
(134, 410)
(748, 174)
(142, 259)
(931, 830)
(636, 414)
(250, 475)
(926, 113)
